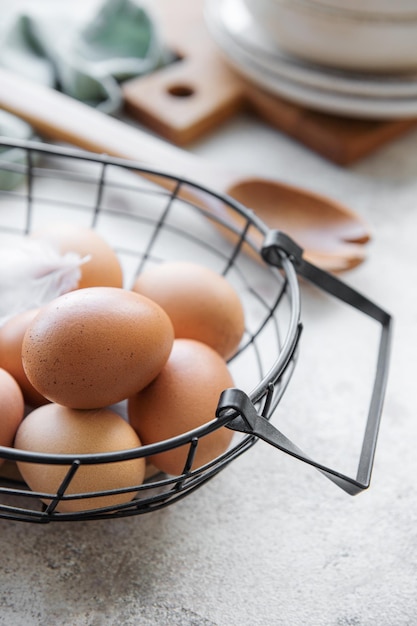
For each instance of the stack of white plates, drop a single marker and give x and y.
(257, 57)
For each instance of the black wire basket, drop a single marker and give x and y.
(148, 217)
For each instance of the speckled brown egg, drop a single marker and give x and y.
(184, 396)
(54, 429)
(103, 269)
(11, 409)
(11, 339)
(202, 304)
(95, 347)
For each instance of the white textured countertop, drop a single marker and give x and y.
(269, 541)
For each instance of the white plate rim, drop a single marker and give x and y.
(318, 99)
(255, 44)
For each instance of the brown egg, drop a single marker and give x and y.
(95, 347)
(11, 339)
(103, 269)
(54, 429)
(12, 408)
(184, 396)
(202, 304)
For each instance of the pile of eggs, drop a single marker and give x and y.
(160, 347)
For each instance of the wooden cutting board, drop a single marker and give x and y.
(195, 94)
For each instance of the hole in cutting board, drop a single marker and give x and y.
(181, 91)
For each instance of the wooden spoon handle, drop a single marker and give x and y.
(61, 118)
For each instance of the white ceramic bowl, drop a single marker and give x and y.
(347, 39)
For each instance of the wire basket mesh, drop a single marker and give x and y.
(149, 217)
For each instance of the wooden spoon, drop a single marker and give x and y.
(331, 234)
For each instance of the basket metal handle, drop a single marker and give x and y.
(278, 245)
